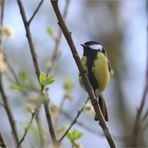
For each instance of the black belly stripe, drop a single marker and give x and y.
(90, 61)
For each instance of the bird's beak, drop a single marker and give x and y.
(83, 45)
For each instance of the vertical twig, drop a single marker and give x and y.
(58, 40)
(37, 69)
(87, 85)
(138, 121)
(2, 142)
(9, 112)
(29, 37)
(1, 22)
(27, 128)
(41, 136)
(4, 97)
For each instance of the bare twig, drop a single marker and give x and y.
(36, 66)
(35, 12)
(9, 112)
(51, 128)
(80, 123)
(29, 37)
(11, 69)
(145, 115)
(2, 142)
(145, 126)
(58, 40)
(1, 22)
(27, 129)
(86, 82)
(4, 97)
(2, 11)
(138, 121)
(41, 136)
(74, 121)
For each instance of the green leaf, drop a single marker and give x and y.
(74, 135)
(69, 136)
(50, 80)
(45, 80)
(42, 78)
(78, 136)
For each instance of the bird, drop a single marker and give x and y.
(98, 69)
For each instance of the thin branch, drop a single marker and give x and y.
(1, 22)
(9, 112)
(58, 40)
(138, 121)
(35, 12)
(74, 121)
(2, 11)
(145, 126)
(36, 66)
(27, 129)
(80, 123)
(4, 97)
(145, 115)
(41, 136)
(51, 128)
(29, 37)
(86, 82)
(11, 69)
(2, 142)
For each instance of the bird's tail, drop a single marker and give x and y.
(103, 108)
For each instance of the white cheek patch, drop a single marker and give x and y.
(96, 47)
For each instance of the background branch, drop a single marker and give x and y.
(27, 129)
(3, 95)
(58, 40)
(87, 85)
(9, 112)
(2, 142)
(35, 12)
(37, 69)
(74, 120)
(138, 122)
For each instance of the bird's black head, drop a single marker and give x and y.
(92, 46)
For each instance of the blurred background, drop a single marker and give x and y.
(120, 26)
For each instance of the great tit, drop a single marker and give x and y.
(96, 64)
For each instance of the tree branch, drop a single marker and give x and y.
(138, 121)
(35, 12)
(4, 97)
(58, 40)
(1, 22)
(80, 123)
(27, 129)
(86, 82)
(74, 121)
(2, 142)
(37, 69)
(9, 112)
(29, 37)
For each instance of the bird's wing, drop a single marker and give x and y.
(109, 65)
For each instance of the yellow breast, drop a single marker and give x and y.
(101, 71)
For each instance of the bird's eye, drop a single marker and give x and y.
(96, 47)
